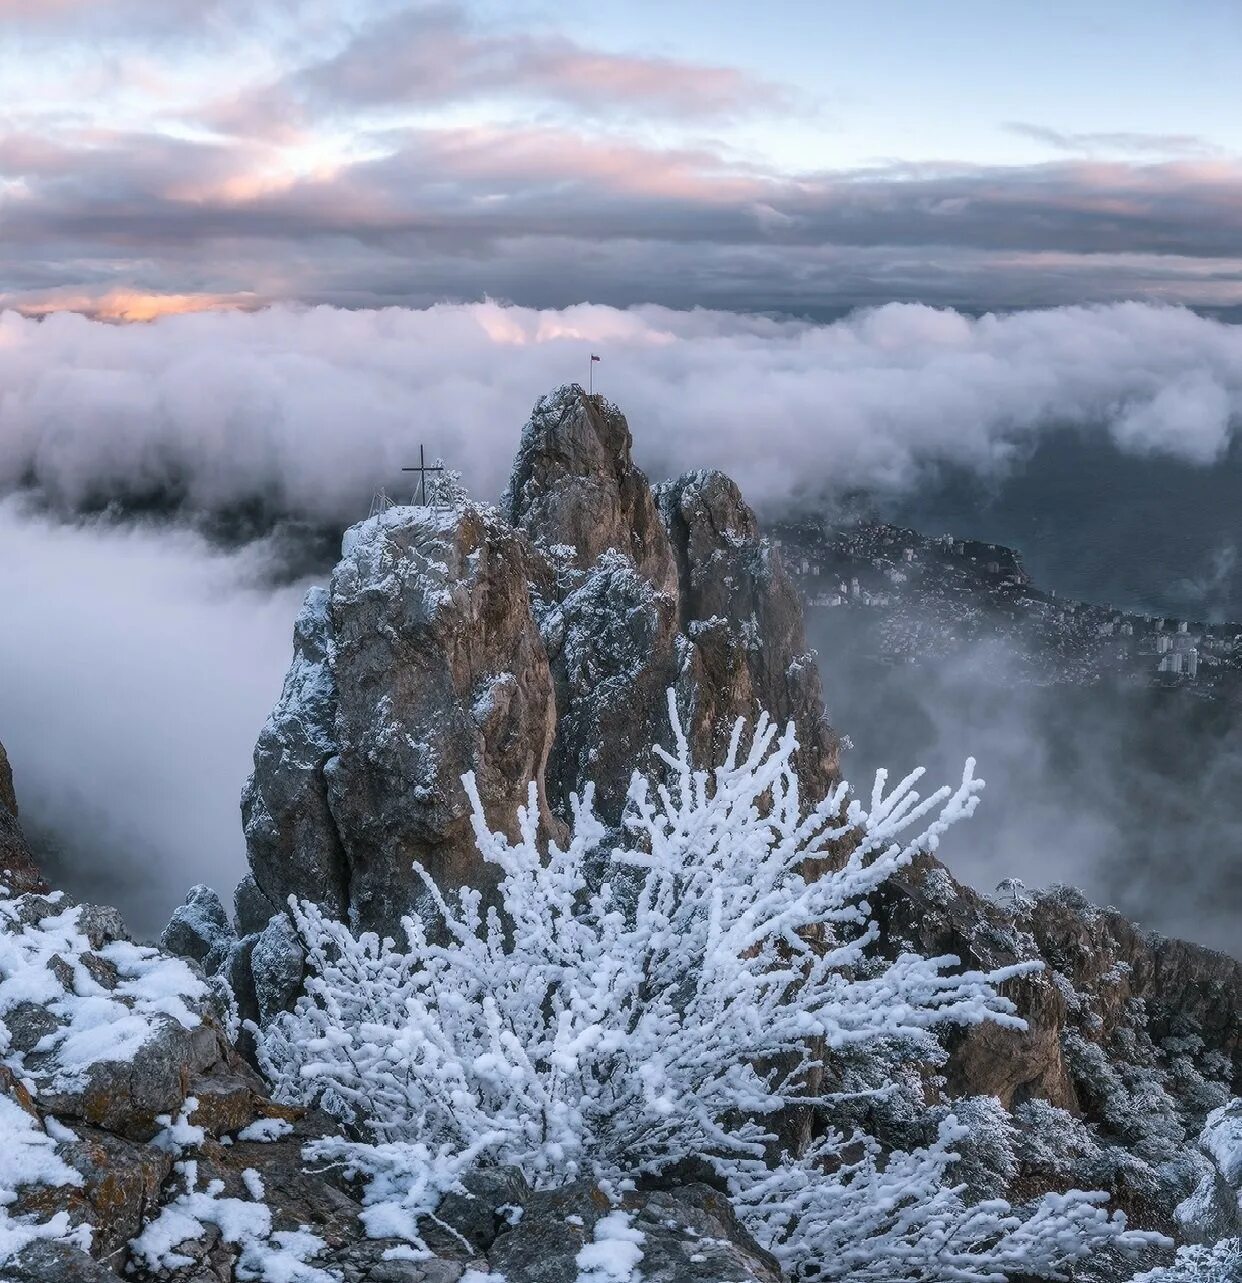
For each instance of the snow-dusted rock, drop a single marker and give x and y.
(534, 645)
(743, 615)
(199, 928)
(1214, 1209)
(614, 650)
(574, 485)
(681, 1235)
(421, 661)
(276, 964)
(291, 838)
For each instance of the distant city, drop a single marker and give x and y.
(927, 598)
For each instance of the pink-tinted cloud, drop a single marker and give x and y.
(550, 215)
(435, 55)
(118, 304)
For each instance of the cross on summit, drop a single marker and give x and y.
(423, 468)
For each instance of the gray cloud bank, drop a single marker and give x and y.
(307, 412)
(547, 216)
(1129, 795)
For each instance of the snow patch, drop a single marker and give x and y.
(265, 1130)
(614, 1253)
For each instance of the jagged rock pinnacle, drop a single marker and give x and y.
(536, 643)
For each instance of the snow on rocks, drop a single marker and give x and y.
(582, 1233)
(199, 929)
(266, 1130)
(1221, 1140)
(28, 1157)
(274, 1256)
(614, 1252)
(1214, 1209)
(100, 1029)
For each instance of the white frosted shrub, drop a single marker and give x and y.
(674, 1011)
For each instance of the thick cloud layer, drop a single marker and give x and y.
(136, 669)
(308, 412)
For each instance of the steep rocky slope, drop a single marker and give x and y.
(17, 865)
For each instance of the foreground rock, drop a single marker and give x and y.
(138, 1144)
(1133, 1039)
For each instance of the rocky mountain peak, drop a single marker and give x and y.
(575, 487)
(534, 643)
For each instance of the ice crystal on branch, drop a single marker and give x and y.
(671, 1012)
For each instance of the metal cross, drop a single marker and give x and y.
(423, 469)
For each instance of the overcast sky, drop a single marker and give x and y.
(800, 155)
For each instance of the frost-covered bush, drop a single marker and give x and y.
(675, 1010)
(1052, 1140)
(1221, 1263)
(986, 1161)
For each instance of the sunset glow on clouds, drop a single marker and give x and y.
(403, 152)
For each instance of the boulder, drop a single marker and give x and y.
(48, 1261)
(682, 1235)
(199, 928)
(277, 965)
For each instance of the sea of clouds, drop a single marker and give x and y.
(312, 409)
(138, 660)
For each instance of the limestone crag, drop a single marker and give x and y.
(420, 662)
(532, 644)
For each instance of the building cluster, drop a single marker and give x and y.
(925, 597)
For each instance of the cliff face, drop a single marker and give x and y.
(18, 870)
(536, 643)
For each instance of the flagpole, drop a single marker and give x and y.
(591, 376)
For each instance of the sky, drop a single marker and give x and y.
(799, 157)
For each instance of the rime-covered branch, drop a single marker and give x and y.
(672, 1011)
